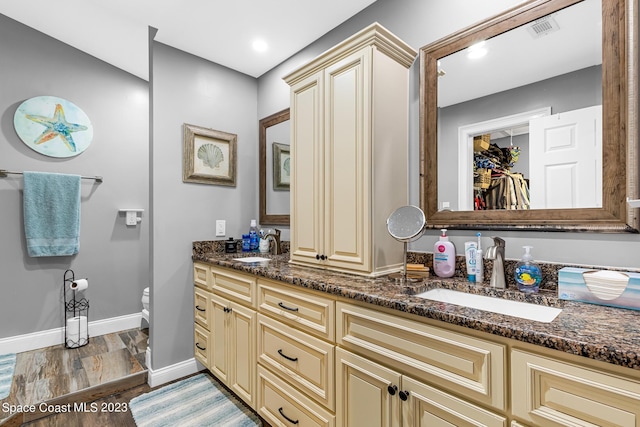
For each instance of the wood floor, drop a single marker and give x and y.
(92, 384)
(57, 375)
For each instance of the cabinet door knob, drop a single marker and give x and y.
(404, 395)
(287, 418)
(293, 359)
(392, 389)
(227, 310)
(322, 257)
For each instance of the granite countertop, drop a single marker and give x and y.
(598, 332)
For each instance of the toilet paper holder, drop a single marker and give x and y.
(76, 327)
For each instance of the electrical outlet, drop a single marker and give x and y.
(220, 227)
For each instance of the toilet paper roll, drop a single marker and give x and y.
(79, 285)
(77, 331)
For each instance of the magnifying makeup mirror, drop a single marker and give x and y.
(406, 224)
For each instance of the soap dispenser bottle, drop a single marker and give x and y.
(253, 237)
(444, 256)
(528, 274)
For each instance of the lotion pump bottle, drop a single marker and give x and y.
(528, 274)
(444, 256)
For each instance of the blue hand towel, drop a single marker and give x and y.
(51, 214)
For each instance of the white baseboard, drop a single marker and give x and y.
(164, 375)
(36, 340)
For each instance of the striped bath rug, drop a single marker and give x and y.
(197, 401)
(7, 366)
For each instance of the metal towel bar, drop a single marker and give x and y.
(4, 173)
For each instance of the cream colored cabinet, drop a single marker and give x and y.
(466, 365)
(225, 327)
(296, 359)
(366, 392)
(349, 149)
(551, 392)
(372, 395)
(201, 312)
(233, 352)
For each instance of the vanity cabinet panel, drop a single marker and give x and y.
(202, 275)
(201, 344)
(553, 392)
(427, 406)
(307, 203)
(232, 357)
(310, 312)
(283, 406)
(363, 397)
(349, 139)
(305, 361)
(235, 286)
(469, 366)
(201, 308)
(370, 394)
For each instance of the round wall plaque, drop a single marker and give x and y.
(53, 126)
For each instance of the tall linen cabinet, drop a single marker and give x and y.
(349, 151)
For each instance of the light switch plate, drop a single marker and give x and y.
(220, 227)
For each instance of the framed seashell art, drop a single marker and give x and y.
(209, 156)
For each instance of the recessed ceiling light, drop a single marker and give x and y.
(260, 45)
(476, 50)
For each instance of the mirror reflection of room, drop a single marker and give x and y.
(521, 116)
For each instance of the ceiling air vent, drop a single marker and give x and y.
(542, 27)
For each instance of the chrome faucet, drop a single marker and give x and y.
(496, 253)
(277, 249)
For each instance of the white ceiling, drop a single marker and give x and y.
(517, 59)
(223, 32)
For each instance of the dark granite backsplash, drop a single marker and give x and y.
(549, 271)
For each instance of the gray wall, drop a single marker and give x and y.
(113, 256)
(419, 23)
(187, 89)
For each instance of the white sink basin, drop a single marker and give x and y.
(539, 313)
(251, 259)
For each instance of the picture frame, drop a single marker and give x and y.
(209, 156)
(281, 167)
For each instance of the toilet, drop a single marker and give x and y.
(145, 305)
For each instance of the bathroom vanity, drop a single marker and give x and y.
(325, 348)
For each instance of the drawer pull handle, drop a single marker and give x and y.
(287, 418)
(392, 389)
(293, 359)
(403, 395)
(200, 309)
(198, 345)
(287, 308)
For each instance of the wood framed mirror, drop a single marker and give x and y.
(274, 199)
(615, 43)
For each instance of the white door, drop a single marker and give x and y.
(565, 163)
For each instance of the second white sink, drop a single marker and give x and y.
(252, 259)
(539, 313)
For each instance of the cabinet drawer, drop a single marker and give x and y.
(283, 406)
(235, 286)
(556, 393)
(302, 359)
(463, 364)
(201, 345)
(302, 310)
(201, 311)
(202, 275)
